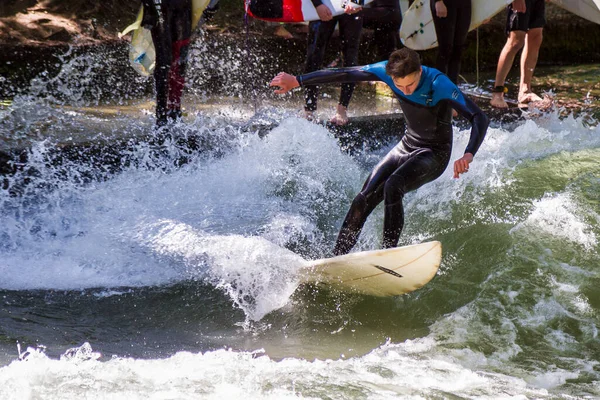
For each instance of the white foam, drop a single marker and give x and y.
(500, 153)
(385, 373)
(559, 215)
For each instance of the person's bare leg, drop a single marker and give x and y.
(514, 43)
(529, 59)
(341, 115)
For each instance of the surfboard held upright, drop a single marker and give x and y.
(388, 272)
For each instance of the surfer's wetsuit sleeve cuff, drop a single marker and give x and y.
(336, 75)
(316, 3)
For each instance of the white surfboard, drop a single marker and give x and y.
(418, 32)
(142, 55)
(388, 272)
(404, 6)
(588, 9)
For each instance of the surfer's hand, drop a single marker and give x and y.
(462, 164)
(519, 6)
(440, 9)
(285, 82)
(324, 13)
(350, 9)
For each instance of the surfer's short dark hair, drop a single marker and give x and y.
(402, 63)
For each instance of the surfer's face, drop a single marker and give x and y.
(409, 83)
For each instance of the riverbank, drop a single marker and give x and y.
(40, 37)
(68, 57)
(34, 30)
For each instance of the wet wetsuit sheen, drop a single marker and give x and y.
(421, 156)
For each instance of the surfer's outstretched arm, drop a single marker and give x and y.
(288, 82)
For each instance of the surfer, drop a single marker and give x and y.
(524, 24)
(451, 19)
(170, 22)
(427, 98)
(319, 34)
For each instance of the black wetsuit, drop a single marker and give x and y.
(385, 18)
(421, 156)
(319, 34)
(451, 33)
(171, 27)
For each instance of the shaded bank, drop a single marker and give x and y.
(86, 66)
(34, 35)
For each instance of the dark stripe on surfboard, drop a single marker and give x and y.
(388, 271)
(401, 266)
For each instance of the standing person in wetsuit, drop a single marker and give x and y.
(452, 19)
(319, 34)
(170, 22)
(385, 18)
(427, 98)
(524, 25)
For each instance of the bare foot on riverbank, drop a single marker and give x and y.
(498, 101)
(341, 116)
(280, 31)
(543, 104)
(527, 96)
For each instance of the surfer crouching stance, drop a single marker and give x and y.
(427, 98)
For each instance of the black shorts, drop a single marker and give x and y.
(533, 17)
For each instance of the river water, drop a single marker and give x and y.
(162, 280)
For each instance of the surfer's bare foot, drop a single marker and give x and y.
(498, 101)
(280, 31)
(527, 96)
(454, 113)
(341, 116)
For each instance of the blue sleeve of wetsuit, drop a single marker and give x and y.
(316, 3)
(337, 75)
(446, 90)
